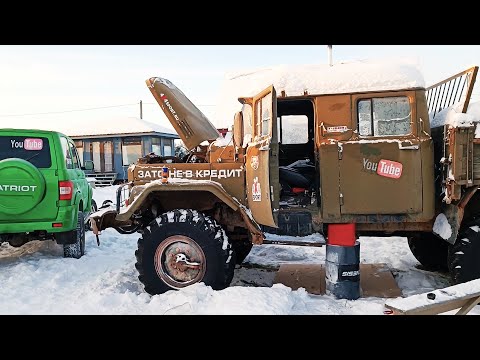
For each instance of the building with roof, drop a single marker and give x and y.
(114, 146)
(112, 143)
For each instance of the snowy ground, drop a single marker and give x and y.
(36, 279)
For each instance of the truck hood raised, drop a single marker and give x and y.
(190, 123)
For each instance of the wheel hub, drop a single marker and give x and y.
(180, 261)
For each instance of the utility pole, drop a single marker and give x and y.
(330, 55)
(141, 110)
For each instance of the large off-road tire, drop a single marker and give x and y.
(429, 250)
(77, 249)
(183, 247)
(242, 248)
(464, 255)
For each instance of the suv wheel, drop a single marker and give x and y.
(77, 249)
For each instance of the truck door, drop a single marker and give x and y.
(261, 160)
(380, 173)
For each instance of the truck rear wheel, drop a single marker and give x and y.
(183, 247)
(77, 249)
(464, 255)
(429, 250)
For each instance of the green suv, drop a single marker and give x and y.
(44, 194)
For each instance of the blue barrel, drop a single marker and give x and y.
(342, 271)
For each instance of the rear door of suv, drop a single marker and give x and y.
(74, 172)
(28, 177)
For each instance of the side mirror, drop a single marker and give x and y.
(88, 165)
(238, 129)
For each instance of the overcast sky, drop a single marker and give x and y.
(63, 78)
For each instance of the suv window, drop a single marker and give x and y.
(36, 150)
(75, 159)
(66, 153)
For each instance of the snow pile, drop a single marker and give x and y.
(224, 141)
(441, 227)
(347, 77)
(36, 279)
(453, 116)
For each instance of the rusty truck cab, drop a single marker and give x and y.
(359, 157)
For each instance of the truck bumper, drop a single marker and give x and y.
(67, 216)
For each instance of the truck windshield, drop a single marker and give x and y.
(36, 150)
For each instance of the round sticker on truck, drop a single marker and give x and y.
(21, 186)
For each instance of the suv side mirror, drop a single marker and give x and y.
(88, 165)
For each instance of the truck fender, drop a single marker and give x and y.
(212, 187)
(447, 223)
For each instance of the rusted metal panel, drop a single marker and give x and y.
(365, 180)
(222, 154)
(261, 165)
(258, 184)
(230, 175)
(333, 122)
(427, 186)
(366, 192)
(333, 118)
(459, 161)
(329, 181)
(390, 227)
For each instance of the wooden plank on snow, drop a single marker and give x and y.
(462, 296)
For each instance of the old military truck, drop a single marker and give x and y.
(352, 153)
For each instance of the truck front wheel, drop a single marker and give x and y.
(183, 247)
(464, 255)
(429, 250)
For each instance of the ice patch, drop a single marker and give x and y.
(183, 216)
(225, 240)
(441, 227)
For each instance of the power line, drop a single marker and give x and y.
(88, 109)
(67, 111)
(195, 104)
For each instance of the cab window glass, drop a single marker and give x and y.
(390, 116)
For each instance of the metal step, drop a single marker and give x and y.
(319, 243)
(104, 179)
(292, 223)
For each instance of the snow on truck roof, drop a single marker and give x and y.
(345, 77)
